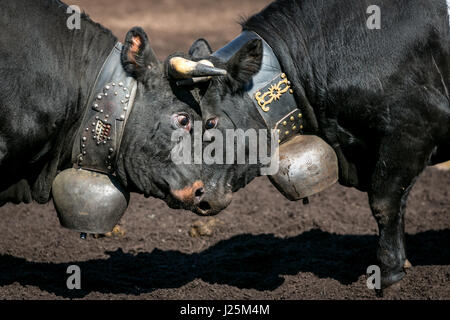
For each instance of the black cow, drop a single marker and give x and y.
(379, 97)
(47, 72)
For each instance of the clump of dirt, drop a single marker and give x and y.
(202, 228)
(444, 166)
(117, 231)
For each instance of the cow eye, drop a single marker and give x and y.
(211, 123)
(182, 120)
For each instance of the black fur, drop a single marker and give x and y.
(144, 60)
(200, 48)
(47, 72)
(244, 65)
(378, 97)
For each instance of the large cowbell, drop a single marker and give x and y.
(307, 164)
(88, 201)
(89, 198)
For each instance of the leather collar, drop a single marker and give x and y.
(270, 90)
(110, 102)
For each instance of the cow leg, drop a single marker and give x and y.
(389, 213)
(394, 176)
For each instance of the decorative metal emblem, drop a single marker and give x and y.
(274, 93)
(102, 131)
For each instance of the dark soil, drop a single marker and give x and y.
(261, 247)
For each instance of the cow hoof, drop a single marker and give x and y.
(407, 265)
(391, 278)
(117, 231)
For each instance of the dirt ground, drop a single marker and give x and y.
(261, 247)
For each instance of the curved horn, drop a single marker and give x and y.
(192, 81)
(181, 68)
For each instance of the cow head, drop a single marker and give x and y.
(145, 164)
(304, 164)
(221, 100)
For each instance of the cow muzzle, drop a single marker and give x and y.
(212, 205)
(199, 200)
(307, 166)
(88, 201)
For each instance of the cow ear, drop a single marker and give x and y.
(244, 64)
(200, 49)
(138, 57)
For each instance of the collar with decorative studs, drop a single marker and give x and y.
(270, 90)
(110, 102)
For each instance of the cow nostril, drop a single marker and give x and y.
(199, 192)
(204, 206)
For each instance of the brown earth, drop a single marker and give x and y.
(261, 247)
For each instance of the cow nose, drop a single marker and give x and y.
(201, 200)
(192, 194)
(208, 206)
(199, 194)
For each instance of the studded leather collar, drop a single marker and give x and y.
(270, 90)
(110, 102)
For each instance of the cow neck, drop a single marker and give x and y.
(109, 105)
(270, 90)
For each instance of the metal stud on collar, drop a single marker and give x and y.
(293, 121)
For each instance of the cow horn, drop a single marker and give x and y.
(192, 81)
(181, 68)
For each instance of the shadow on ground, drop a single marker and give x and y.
(244, 261)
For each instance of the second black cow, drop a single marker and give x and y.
(379, 97)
